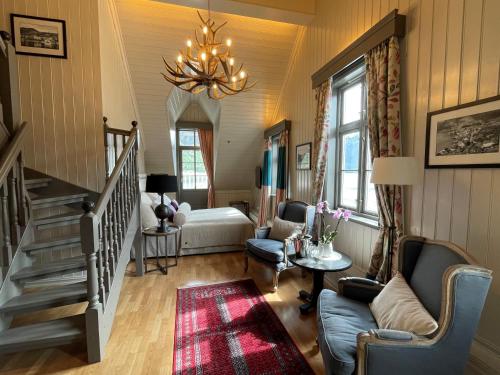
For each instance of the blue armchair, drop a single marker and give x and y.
(271, 252)
(447, 282)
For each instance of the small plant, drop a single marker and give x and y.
(340, 214)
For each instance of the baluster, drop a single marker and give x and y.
(14, 222)
(124, 141)
(116, 237)
(106, 146)
(100, 265)
(123, 221)
(7, 248)
(112, 238)
(88, 229)
(115, 147)
(23, 208)
(127, 188)
(105, 249)
(119, 220)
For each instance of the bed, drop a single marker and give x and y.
(207, 231)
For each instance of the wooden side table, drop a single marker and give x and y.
(151, 232)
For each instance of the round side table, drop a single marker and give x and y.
(318, 266)
(151, 232)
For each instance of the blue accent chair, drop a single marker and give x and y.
(271, 252)
(448, 283)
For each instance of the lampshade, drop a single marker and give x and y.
(161, 183)
(394, 171)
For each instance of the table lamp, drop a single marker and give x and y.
(161, 184)
(394, 171)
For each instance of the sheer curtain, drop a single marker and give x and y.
(265, 188)
(382, 77)
(207, 151)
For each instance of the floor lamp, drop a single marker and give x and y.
(393, 171)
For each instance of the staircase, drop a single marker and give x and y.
(55, 254)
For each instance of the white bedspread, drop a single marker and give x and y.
(215, 227)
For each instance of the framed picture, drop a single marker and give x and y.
(303, 156)
(465, 136)
(38, 36)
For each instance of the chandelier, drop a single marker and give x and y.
(207, 64)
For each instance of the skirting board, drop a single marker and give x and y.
(484, 358)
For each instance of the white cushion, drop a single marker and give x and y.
(156, 199)
(182, 214)
(148, 216)
(282, 229)
(397, 307)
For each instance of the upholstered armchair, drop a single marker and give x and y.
(447, 282)
(271, 252)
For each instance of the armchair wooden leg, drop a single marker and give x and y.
(275, 280)
(245, 263)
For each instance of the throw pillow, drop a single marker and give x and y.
(182, 214)
(397, 307)
(148, 216)
(171, 212)
(174, 203)
(282, 229)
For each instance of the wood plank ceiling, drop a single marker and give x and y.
(154, 29)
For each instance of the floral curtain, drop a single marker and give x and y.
(207, 151)
(265, 188)
(281, 178)
(382, 76)
(320, 145)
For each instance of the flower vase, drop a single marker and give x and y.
(326, 250)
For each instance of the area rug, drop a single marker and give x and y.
(229, 328)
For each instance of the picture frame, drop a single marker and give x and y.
(464, 136)
(39, 36)
(303, 156)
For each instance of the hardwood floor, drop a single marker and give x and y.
(142, 338)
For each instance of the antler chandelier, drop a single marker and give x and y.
(207, 64)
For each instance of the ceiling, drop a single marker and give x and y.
(152, 29)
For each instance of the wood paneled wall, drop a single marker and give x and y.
(61, 98)
(450, 56)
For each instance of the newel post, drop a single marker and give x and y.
(138, 245)
(93, 314)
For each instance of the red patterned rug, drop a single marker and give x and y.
(229, 328)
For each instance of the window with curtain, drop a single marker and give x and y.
(351, 161)
(193, 172)
(274, 158)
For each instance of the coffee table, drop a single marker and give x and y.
(337, 262)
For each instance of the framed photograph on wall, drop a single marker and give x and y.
(38, 36)
(303, 156)
(465, 136)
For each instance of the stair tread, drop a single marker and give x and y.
(54, 196)
(40, 180)
(46, 298)
(44, 334)
(40, 244)
(72, 215)
(68, 264)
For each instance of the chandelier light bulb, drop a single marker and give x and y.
(189, 43)
(229, 42)
(179, 58)
(214, 86)
(214, 51)
(231, 61)
(233, 79)
(205, 29)
(203, 56)
(242, 74)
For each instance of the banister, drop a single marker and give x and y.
(105, 196)
(9, 156)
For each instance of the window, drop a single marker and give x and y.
(274, 162)
(192, 168)
(353, 162)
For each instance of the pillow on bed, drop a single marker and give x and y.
(146, 199)
(157, 199)
(174, 203)
(182, 214)
(282, 229)
(148, 216)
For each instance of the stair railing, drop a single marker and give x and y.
(114, 143)
(14, 207)
(109, 229)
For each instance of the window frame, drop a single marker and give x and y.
(181, 148)
(340, 87)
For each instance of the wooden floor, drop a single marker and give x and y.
(142, 338)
